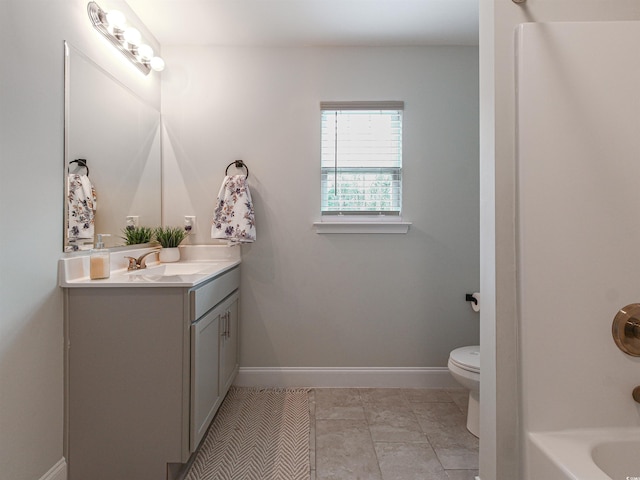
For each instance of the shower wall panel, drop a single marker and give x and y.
(578, 220)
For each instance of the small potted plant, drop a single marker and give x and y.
(169, 238)
(136, 235)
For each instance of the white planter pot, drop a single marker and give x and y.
(168, 255)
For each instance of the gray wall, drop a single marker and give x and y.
(333, 300)
(31, 206)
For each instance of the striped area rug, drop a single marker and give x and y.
(260, 434)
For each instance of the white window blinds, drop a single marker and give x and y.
(361, 158)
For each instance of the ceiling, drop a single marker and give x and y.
(310, 22)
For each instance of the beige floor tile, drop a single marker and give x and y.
(445, 427)
(393, 423)
(462, 474)
(434, 416)
(344, 451)
(386, 396)
(460, 398)
(455, 447)
(457, 458)
(427, 395)
(409, 461)
(338, 403)
(413, 430)
(453, 436)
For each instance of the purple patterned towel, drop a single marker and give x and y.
(233, 218)
(82, 204)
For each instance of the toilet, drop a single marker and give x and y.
(464, 365)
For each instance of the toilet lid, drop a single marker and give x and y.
(467, 358)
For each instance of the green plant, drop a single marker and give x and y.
(170, 237)
(135, 235)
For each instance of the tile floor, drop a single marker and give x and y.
(391, 434)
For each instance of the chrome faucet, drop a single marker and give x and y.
(140, 262)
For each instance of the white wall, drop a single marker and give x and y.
(499, 449)
(31, 206)
(311, 300)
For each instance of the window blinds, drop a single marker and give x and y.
(361, 158)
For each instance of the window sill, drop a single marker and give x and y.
(362, 227)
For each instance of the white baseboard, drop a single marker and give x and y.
(364, 377)
(57, 472)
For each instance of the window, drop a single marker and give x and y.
(361, 158)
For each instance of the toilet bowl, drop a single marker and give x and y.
(464, 365)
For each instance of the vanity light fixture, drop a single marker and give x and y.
(128, 40)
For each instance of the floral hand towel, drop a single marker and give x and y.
(233, 218)
(82, 207)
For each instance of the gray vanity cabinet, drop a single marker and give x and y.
(229, 346)
(205, 389)
(214, 339)
(146, 370)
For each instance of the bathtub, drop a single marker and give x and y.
(585, 454)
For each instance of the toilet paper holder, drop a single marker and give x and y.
(470, 298)
(474, 299)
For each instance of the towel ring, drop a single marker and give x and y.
(81, 163)
(238, 164)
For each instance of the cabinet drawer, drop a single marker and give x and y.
(207, 296)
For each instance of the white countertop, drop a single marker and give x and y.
(207, 261)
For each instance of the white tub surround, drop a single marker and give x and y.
(578, 150)
(203, 261)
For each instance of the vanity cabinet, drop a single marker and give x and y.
(229, 346)
(214, 340)
(146, 370)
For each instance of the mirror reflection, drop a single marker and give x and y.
(112, 156)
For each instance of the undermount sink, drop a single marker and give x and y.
(174, 269)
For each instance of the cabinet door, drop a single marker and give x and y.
(229, 338)
(205, 392)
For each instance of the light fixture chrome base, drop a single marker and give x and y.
(98, 18)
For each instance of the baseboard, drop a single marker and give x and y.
(365, 377)
(57, 472)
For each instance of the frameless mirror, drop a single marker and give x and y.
(118, 134)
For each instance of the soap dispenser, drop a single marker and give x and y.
(100, 260)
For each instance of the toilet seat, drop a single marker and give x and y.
(466, 358)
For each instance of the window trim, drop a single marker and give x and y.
(359, 106)
(361, 227)
(363, 105)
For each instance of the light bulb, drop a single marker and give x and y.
(116, 19)
(157, 64)
(132, 36)
(145, 52)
